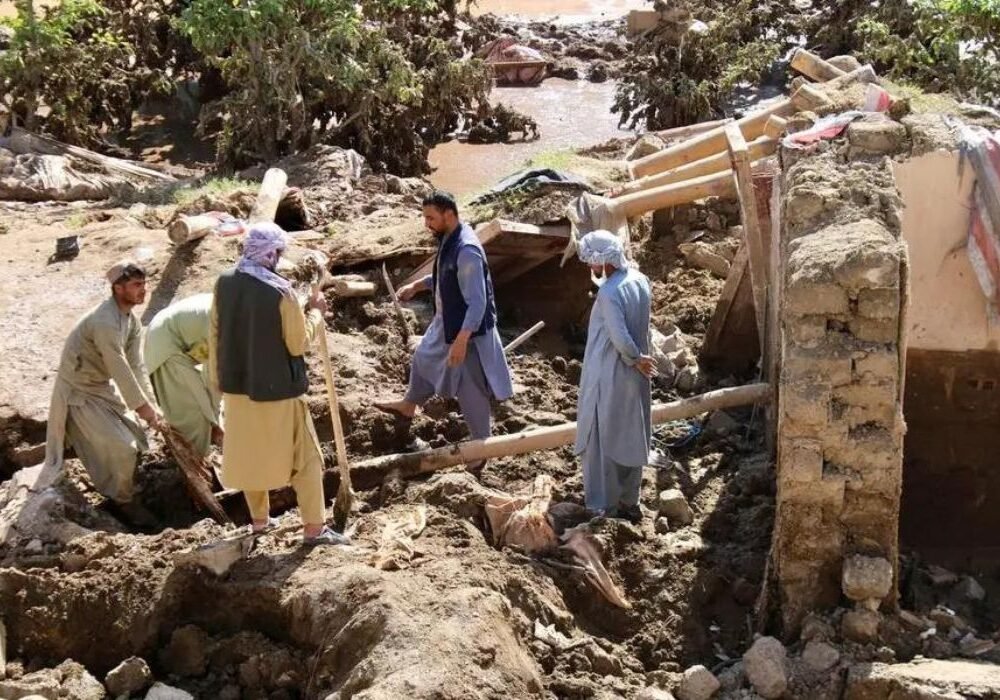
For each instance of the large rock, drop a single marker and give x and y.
(820, 656)
(674, 506)
(43, 683)
(860, 626)
(647, 145)
(77, 683)
(866, 577)
(764, 663)
(924, 678)
(162, 691)
(970, 588)
(698, 683)
(128, 677)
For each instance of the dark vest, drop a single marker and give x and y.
(251, 355)
(453, 306)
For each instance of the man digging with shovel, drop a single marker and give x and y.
(257, 340)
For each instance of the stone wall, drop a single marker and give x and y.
(840, 428)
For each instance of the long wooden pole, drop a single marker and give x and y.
(411, 464)
(759, 148)
(638, 203)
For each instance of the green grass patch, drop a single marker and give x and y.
(216, 186)
(77, 221)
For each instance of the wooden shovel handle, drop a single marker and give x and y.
(331, 397)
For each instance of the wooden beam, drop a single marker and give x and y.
(730, 304)
(638, 203)
(269, 195)
(686, 132)
(371, 472)
(760, 148)
(814, 67)
(740, 155)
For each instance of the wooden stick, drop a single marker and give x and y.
(523, 338)
(345, 495)
(404, 327)
(638, 203)
(189, 228)
(714, 141)
(548, 438)
(814, 67)
(760, 148)
(751, 226)
(269, 195)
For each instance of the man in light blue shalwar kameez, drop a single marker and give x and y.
(461, 354)
(613, 416)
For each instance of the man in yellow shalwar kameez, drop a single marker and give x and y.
(176, 352)
(104, 353)
(259, 334)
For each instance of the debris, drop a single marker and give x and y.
(877, 136)
(946, 619)
(3, 650)
(218, 557)
(128, 677)
(764, 664)
(661, 526)
(647, 144)
(688, 379)
(972, 646)
(820, 656)
(187, 652)
(674, 506)
(521, 521)
(579, 541)
(653, 693)
(162, 691)
(911, 620)
(970, 589)
(940, 576)
(731, 678)
(554, 638)
(195, 470)
(698, 683)
(602, 663)
(703, 256)
(396, 548)
(866, 577)
(860, 625)
(77, 683)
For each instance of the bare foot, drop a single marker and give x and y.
(401, 409)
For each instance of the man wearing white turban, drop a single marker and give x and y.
(614, 426)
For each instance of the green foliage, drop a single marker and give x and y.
(215, 187)
(380, 77)
(671, 80)
(939, 45)
(79, 62)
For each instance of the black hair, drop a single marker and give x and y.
(442, 201)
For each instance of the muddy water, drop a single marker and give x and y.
(570, 113)
(565, 10)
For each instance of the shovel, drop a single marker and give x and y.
(345, 495)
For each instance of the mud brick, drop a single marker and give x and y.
(877, 137)
(806, 331)
(879, 303)
(879, 365)
(801, 460)
(828, 492)
(815, 298)
(806, 403)
(828, 365)
(875, 330)
(867, 395)
(883, 415)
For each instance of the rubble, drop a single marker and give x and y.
(865, 578)
(162, 691)
(674, 506)
(128, 677)
(820, 656)
(860, 625)
(765, 666)
(697, 683)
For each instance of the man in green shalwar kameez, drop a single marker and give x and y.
(176, 350)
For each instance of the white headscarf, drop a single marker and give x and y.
(262, 247)
(602, 248)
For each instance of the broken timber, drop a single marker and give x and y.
(412, 464)
(23, 141)
(512, 249)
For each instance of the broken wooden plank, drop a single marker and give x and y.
(731, 342)
(686, 132)
(349, 288)
(524, 337)
(23, 141)
(638, 203)
(740, 154)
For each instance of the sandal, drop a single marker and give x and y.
(327, 536)
(271, 524)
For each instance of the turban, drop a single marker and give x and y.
(262, 247)
(602, 248)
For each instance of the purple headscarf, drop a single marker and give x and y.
(262, 247)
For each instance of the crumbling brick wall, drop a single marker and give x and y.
(840, 426)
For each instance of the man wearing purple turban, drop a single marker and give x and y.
(259, 334)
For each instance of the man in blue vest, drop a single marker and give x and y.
(461, 354)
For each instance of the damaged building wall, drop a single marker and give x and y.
(840, 425)
(950, 502)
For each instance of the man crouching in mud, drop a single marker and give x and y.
(461, 355)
